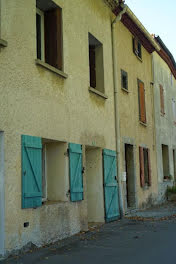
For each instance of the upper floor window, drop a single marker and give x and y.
(96, 67)
(137, 48)
(162, 100)
(49, 33)
(124, 80)
(141, 97)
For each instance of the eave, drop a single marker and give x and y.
(133, 24)
(166, 55)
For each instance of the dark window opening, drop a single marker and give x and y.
(165, 158)
(38, 27)
(96, 65)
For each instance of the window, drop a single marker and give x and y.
(44, 171)
(96, 68)
(137, 48)
(145, 167)
(174, 110)
(165, 159)
(124, 80)
(162, 100)
(141, 99)
(49, 33)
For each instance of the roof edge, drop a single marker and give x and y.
(142, 28)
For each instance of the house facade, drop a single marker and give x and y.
(134, 48)
(57, 139)
(164, 72)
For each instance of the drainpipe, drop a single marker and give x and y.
(117, 120)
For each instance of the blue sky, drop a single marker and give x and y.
(159, 18)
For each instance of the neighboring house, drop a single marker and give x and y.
(164, 72)
(134, 47)
(57, 139)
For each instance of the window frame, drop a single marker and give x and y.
(137, 47)
(42, 16)
(124, 74)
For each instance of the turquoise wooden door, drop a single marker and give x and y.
(110, 186)
(31, 172)
(76, 172)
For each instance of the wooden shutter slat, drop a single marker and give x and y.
(149, 168)
(142, 108)
(110, 185)
(53, 38)
(162, 99)
(76, 174)
(31, 172)
(141, 159)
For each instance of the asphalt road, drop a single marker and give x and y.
(121, 242)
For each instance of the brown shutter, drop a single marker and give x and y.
(141, 159)
(162, 99)
(149, 168)
(92, 66)
(142, 109)
(53, 38)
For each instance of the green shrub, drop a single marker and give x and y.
(171, 189)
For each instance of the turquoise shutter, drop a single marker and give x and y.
(31, 172)
(76, 172)
(110, 185)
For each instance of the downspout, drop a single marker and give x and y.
(117, 120)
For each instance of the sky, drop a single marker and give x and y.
(159, 18)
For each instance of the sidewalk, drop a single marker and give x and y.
(160, 212)
(124, 241)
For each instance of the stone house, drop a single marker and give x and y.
(137, 152)
(57, 128)
(164, 72)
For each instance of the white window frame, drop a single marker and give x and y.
(42, 15)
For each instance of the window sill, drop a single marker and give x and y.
(146, 187)
(143, 124)
(51, 68)
(53, 202)
(138, 57)
(93, 90)
(125, 90)
(3, 43)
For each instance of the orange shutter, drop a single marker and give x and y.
(149, 168)
(53, 38)
(162, 99)
(142, 109)
(141, 159)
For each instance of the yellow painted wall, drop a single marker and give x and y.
(130, 127)
(37, 102)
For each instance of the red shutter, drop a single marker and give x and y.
(162, 99)
(142, 109)
(141, 159)
(149, 168)
(53, 38)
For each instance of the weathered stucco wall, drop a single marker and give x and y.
(165, 126)
(39, 103)
(130, 128)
